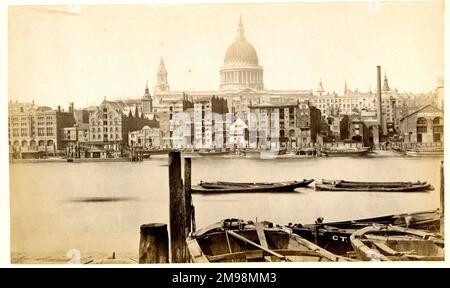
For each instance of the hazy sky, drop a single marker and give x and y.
(58, 55)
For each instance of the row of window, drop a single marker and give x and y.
(105, 136)
(105, 129)
(41, 132)
(33, 143)
(15, 124)
(45, 123)
(344, 100)
(24, 119)
(105, 122)
(423, 121)
(424, 129)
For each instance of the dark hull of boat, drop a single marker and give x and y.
(384, 184)
(373, 188)
(237, 241)
(335, 236)
(275, 187)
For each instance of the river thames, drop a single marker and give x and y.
(50, 214)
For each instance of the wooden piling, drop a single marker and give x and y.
(177, 211)
(187, 193)
(442, 203)
(154, 243)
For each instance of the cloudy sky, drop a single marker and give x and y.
(59, 54)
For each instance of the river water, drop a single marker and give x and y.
(49, 216)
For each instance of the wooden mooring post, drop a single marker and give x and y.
(154, 243)
(177, 212)
(442, 202)
(190, 226)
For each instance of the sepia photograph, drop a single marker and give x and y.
(226, 133)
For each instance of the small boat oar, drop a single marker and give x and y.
(234, 234)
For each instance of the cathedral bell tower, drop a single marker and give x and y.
(161, 80)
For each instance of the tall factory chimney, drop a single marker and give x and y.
(379, 101)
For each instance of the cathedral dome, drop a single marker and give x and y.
(241, 52)
(241, 68)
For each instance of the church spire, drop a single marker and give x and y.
(240, 30)
(345, 88)
(320, 89)
(162, 66)
(147, 102)
(147, 92)
(386, 84)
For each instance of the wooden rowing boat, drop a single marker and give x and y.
(341, 185)
(335, 236)
(236, 187)
(234, 240)
(391, 243)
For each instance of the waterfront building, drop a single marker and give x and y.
(110, 123)
(325, 134)
(165, 127)
(209, 115)
(298, 124)
(76, 140)
(358, 131)
(334, 128)
(36, 130)
(238, 134)
(425, 125)
(146, 138)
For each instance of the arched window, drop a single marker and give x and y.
(24, 143)
(41, 143)
(291, 133)
(438, 129)
(32, 143)
(16, 143)
(50, 143)
(437, 121)
(421, 121)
